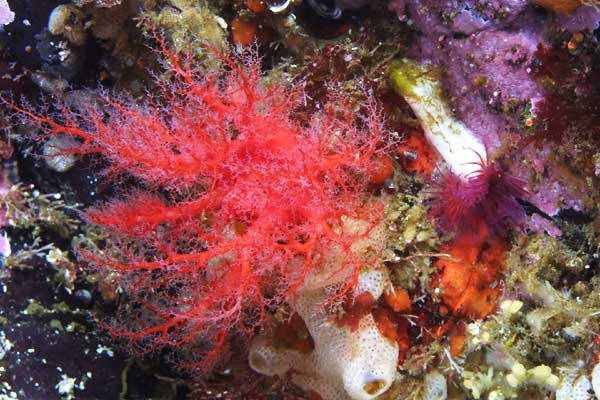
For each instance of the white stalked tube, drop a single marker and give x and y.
(420, 86)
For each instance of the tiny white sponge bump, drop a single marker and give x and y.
(436, 387)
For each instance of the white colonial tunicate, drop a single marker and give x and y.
(582, 388)
(372, 280)
(345, 364)
(457, 145)
(568, 376)
(596, 379)
(367, 362)
(574, 385)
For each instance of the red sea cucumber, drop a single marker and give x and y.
(235, 202)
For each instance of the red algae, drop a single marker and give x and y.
(381, 169)
(355, 308)
(387, 324)
(570, 110)
(235, 201)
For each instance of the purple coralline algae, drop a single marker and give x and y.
(458, 17)
(488, 54)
